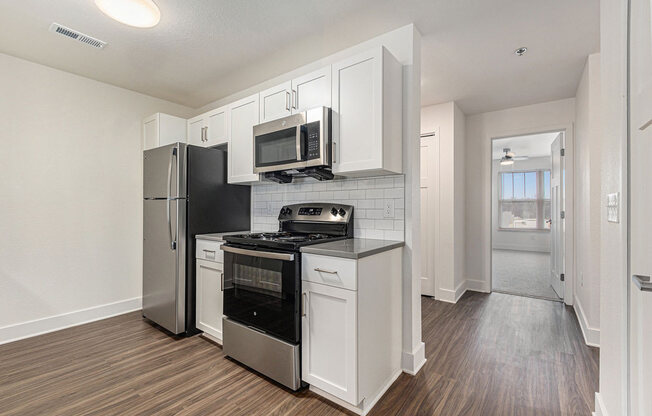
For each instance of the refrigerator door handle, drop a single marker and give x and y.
(173, 243)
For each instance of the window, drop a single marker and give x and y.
(524, 201)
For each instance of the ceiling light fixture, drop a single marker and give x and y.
(520, 51)
(136, 13)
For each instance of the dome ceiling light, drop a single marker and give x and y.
(136, 13)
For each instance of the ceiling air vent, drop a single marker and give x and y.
(78, 36)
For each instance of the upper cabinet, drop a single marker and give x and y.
(291, 97)
(163, 129)
(276, 102)
(209, 129)
(367, 114)
(244, 115)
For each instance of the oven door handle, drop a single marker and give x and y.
(255, 253)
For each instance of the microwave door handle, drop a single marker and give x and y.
(298, 134)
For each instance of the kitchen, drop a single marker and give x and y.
(212, 213)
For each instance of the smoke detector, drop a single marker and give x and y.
(76, 35)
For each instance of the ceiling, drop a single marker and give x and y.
(531, 145)
(204, 50)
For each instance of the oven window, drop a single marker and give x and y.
(263, 293)
(277, 148)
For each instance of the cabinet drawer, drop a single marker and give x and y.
(331, 271)
(209, 250)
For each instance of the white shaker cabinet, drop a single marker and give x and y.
(162, 129)
(312, 90)
(367, 114)
(209, 269)
(209, 129)
(244, 116)
(349, 306)
(276, 102)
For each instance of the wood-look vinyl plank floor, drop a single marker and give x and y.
(488, 355)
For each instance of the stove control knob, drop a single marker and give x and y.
(288, 211)
(334, 211)
(283, 211)
(342, 212)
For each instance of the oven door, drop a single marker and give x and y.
(262, 290)
(280, 144)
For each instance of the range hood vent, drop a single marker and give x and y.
(76, 35)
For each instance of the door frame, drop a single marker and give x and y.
(569, 243)
(432, 234)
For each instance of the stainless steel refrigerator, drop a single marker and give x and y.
(185, 193)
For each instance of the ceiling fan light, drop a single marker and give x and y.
(506, 161)
(136, 13)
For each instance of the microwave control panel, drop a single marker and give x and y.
(312, 140)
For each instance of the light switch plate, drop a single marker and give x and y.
(613, 207)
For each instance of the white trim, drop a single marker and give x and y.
(516, 247)
(451, 296)
(600, 409)
(41, 326)
(363, 408)
(478, 286)
(591, 335)
(412, 362)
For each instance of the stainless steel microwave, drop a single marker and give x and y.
(299, 141)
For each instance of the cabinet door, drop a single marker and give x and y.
(357, 112)
(150, 132)
(275, 102)
(312, 90)
(244, 116)
(329, 340)
(209, 297)
(196, 130)
(217, 123)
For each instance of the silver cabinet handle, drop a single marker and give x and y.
(173, 244)
(294, 99)
(209, 251)
(320, 270)
(287, 100)
(642, 282)
(334, 152)
(222, 282)
(303, 304)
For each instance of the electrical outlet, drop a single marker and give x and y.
(613, 207)
(388, 211)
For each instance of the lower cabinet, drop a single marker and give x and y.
(329, 351)
(351, 326)
(209, 298)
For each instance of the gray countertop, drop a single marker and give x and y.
(352, 248)
(218, 236)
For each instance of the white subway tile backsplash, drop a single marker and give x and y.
(368, 196)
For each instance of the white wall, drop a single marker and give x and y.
(612, 400)
(450, 281)
(520, 239)
(71, 186)
(480, 129)
(367, 195)
(588, 200)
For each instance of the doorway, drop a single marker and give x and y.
(527, 231)
(429, 185)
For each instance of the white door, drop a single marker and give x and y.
(640, 199)
(209, 297)
(244, 116)
(276, 102)
(196, 130)
(556, 217)
(329, 340)
(312, 90)
(217, 127)
(429, 210)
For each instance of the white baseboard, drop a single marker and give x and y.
(600, 410)
(451, 296)
(477, 286)
(412, 362)
(29, 329)
(591, 335)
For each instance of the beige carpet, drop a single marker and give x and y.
(522, 272)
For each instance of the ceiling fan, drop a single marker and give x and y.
(510, 157)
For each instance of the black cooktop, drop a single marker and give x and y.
(281, 239)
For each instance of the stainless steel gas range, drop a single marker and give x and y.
(262, 288)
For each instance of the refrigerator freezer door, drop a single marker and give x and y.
(164, 253)
(164, 172)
